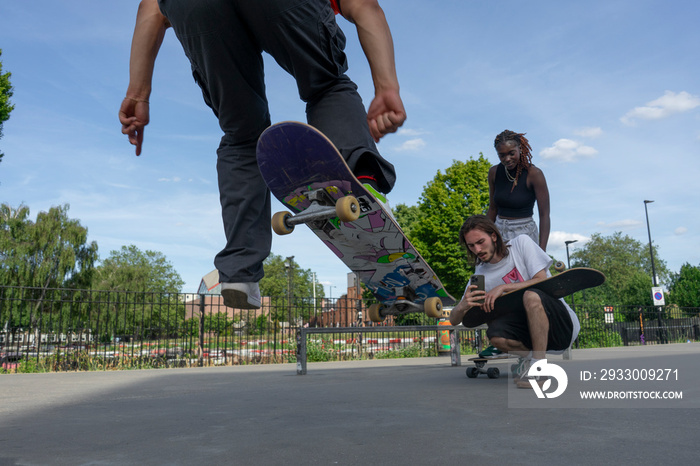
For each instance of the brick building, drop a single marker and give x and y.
(340, 312)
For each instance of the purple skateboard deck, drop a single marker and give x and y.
(296, 160)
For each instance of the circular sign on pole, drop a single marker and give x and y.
(657, 295)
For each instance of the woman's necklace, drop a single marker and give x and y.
(511, 178)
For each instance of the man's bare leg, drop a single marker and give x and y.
(538, 322)
(510, 346)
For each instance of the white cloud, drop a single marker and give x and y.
(568, 150)
(557, 241)
(680, 231)
(410, 132)
(668, 104)
(589, 132)
(412, 145)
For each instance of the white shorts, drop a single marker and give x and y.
(510, 228)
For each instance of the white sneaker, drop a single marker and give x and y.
(241, 295)
(520, 369)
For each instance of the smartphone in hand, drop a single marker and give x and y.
(478, 280)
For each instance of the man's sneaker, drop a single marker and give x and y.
(525, 381)
(492, 353)
(520, 369)
(241, 295)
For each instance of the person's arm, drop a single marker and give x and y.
(493, 208)
(386, 112)
(471, 299)
(148, 36)
(496, 292)
(539, 183)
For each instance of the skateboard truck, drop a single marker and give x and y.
(479, 363)
(406, 303)
(322, 207)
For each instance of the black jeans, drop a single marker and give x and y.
(224, 41)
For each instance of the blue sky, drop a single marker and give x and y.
(606, 90)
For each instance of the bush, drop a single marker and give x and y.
(593, 334)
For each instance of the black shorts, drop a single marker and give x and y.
(514, 325)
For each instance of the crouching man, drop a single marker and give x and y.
(541, 324)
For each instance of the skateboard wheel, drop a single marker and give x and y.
(433, 307)
(373, 313)
(472, 372)
(347, 208)
(559, 266)
(280, 225)
(493, 373)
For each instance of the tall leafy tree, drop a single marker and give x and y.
(407, 217)
(5, 94)
(685, 286)
(130, 269)
(44, 256)
(627, 267)
(285, 279)
(13, 241)
(52, 252)
(138, 294)
(462, 190)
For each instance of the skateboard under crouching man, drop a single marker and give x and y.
(305, 172)
(558, 286)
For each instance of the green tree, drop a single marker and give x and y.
(407, 217)
(685, 286)
(14, 241)
(50, 253)
(627, 267)
(138, 294)
(277, 275)
(43, 256)
(462, 190)
(5, 94)
(131, 269)
(285, 280)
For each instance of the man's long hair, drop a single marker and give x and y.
(483, 223)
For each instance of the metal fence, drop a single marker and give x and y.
(62, 329)
(426, 340)
(605, 326)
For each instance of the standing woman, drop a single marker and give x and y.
(514, 186)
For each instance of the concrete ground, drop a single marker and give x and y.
(406, 411)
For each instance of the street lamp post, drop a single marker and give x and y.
(568, 261)
(651, 249)
(289, 264)
(662, 335)
(568, 265)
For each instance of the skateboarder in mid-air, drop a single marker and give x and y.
(542, 324)
(224, 41)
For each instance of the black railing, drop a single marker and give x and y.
(61, 329)
(604, 326)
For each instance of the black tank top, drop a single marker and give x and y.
(517, 204)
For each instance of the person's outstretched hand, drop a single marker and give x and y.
(134, 116)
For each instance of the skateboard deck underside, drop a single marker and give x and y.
(558, 286)
(296, 159)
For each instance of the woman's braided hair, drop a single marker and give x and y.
(525, 155)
